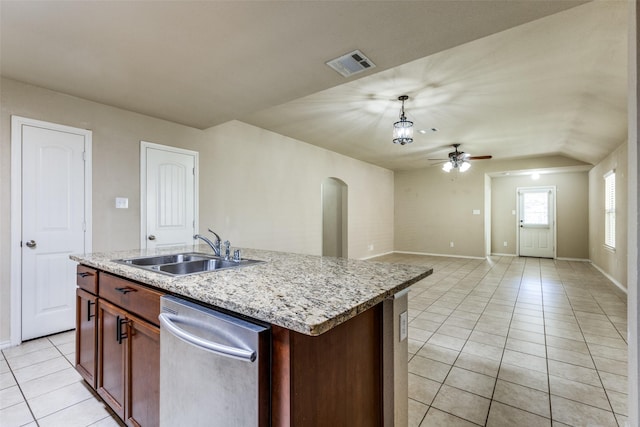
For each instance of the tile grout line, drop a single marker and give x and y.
(506, 270)
(24, 398)
(452, 365)
(590, 355)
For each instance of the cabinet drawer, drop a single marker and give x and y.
(137, 299)
(87, 279)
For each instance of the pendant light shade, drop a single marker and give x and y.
(403, 128)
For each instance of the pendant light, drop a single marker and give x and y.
(403, 128)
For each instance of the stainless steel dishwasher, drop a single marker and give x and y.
(214, 368)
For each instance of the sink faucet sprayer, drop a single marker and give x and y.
(214, 246)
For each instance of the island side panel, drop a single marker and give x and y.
(395, 360)
(331, 379)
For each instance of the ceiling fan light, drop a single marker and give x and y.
(465, 166)
(447, 167)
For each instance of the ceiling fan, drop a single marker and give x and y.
(459, 160)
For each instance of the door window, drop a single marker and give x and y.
(535, 208)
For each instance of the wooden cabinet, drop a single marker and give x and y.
(112, 335)
(123, 362)
(86, 336)
(143, 374)
(334, 379)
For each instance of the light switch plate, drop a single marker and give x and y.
(476, 211)
(122, 203)
(404, 326)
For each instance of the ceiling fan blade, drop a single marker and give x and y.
(479, 157)
(440, 160)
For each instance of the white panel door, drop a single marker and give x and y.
(537, 222)
(53, 227)
(170, 197)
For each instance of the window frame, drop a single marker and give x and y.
(610, 210)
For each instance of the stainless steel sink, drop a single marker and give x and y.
(184, 263)
(165, 259)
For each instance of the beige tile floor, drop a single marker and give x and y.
(40, 387)
(515, 342)
(500, 342)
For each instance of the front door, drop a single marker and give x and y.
(169, 196)
(536, 222)
(54, 222)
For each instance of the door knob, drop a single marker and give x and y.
(152, 237)
(31, 244)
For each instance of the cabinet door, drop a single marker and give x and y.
(143, 374)
(86, 334)
(112, 351)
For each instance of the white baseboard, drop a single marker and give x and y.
(375, 256)
(440, 255)
(573, 259)
(499, 254)
(5, 344)
(608, 276)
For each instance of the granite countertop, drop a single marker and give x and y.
(305, 293)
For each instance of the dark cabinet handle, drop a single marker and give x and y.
(89, 315)
(126, 290)
(85, 274)
(120, 335)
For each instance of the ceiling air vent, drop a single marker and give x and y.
(351, 63)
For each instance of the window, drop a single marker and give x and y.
(610, 209)
(536, 208)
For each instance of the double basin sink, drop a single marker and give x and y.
(183, 264)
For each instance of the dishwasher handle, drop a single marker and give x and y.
(167, 321)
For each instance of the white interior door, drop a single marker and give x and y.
(53, 226)
(169, 195)
(536, 208)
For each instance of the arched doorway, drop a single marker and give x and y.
(334, 218)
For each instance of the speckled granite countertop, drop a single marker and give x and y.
(305, 293)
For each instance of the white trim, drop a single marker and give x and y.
(17, 123)
(608, 276)
(143, 184)
(440, 255)
(5, 344)
(573, 259)
(553, 190)
(376, 256)
(500, 254)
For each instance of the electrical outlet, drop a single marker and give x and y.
(122, 203)
(404, 326)
(505, 244)
(370, 247)
(450, 244)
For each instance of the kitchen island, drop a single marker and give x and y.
(338, 345)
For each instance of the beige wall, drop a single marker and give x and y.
(263, 190)
(571, 212)
(257, 188)
(434, 208)
(116, 165)
(613, 263)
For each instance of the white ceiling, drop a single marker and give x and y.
(507, 78)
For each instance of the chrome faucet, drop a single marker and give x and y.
(227, 250)
(215, 246)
